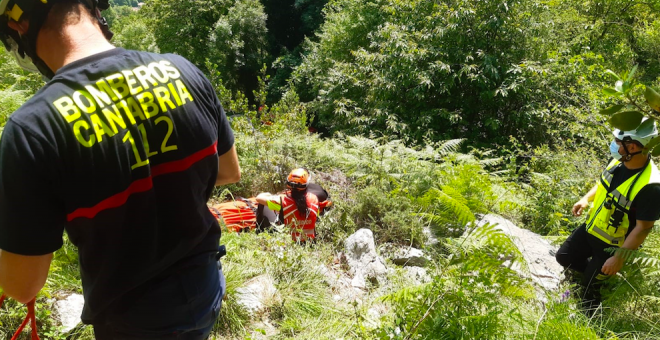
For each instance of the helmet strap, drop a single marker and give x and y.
(628, 156)
(102, 22)
(29, 40)
(96, 7)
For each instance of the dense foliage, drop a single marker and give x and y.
(481, 70)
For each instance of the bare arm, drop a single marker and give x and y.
(584, 201)
(633, 241)
(638, 234)
(229, 171)
(263, 198)
(266, 199)
(22, 277)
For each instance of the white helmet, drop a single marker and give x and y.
(642, 134)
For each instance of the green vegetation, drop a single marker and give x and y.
(430, 114)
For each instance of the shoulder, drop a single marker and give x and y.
(39, 116)
(25, 146)
(312, 198)
(651, 191)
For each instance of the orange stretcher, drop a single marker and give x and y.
(237, 215)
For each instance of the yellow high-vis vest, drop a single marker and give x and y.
(603, 222)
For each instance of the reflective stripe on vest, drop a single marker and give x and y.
(604, 235)
(300, 225)
(599, 223)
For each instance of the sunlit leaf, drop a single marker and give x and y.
(647, 123)
(608, 91)
(652, 98)
(626, 120)
(626, 86)
(611, 110)
(631, 74)
(652, 144)
(612, 73)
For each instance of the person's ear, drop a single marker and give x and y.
(20, 27)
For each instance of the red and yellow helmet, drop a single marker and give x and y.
(298, 179)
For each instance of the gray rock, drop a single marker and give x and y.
(348, 289)
(410, 257)
(362, 259)
(68, 311)
(257, 293)
(542, 267)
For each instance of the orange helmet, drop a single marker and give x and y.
(298, 179)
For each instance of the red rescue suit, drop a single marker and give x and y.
(302, 227)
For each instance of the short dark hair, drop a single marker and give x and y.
(65, 13)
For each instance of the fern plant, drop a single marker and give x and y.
(464, 301)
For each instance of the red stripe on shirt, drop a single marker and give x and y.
(143, 184)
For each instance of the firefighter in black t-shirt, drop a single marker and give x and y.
(125, 147)
(622, 215)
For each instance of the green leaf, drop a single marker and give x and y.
(608, 91)
(647, 123)
(626, 120)
(619, 86)
(626, 86)
(652, 144)
(655, 152)
(611, 110)
(612, 73)
(631, 74)
(652, 98)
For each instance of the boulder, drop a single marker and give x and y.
(257, 293)
(341, 284)
(538, 253)
(363, 261)
(410, 257)
(68, 311)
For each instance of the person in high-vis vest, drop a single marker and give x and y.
(623, 211)
(297, 207)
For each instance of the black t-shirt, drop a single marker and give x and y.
(121, 150)
(317, 190)
(645, 206)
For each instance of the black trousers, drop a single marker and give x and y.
(586, 254)
(184, 306)
(265, 217)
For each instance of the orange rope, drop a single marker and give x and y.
(31, 317)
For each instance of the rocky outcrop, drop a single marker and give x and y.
(538, 253)
(68, 311)
(412, 257)
(403, 256)
(363, 261)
